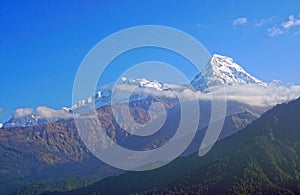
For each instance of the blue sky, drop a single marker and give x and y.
(42, 43)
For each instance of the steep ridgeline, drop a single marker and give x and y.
(223, 70)
(261, 159)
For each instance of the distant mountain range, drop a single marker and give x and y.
(54, 152)
(221, 70)
(261, 159)
(42, 149)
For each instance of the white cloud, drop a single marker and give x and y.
(41, 112)
(239, 21)
(1, 109)
(274, 31)
(254, 95)
(48, 113)
(284, 27)
(22, 112)
(291, 22)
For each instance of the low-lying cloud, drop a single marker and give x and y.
(22, 112)
(45, 112)
(41, 112)
(256, 95)
(252, 94)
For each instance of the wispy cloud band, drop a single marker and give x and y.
(239, 21)
(284, 27)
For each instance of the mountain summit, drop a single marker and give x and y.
(222, 70)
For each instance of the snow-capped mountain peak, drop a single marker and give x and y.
(222, 70)
(143, 83)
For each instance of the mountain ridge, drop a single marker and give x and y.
(33, 154)
(260, 159)
(221, 70)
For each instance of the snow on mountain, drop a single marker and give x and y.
(143, 83)
(30, 120)
(1, 125)
(103, 97)
(223, 70)
(30, 117)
